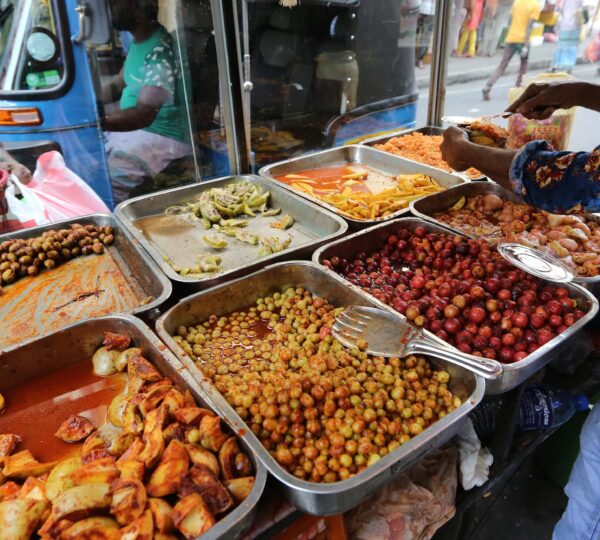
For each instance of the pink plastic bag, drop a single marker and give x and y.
(62, 193)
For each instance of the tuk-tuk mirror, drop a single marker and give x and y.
(98, 22)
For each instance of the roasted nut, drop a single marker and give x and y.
(98, 248)
(49, 264)
(87, 250)
(8, 276)
(108, 239)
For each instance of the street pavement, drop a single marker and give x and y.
(465, 99)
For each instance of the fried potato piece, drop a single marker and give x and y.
(162, 514)
(119, 342)
(94, 455)
(154, 443)
(188, 399)
(173, 466)
(101, 471)
(164, 536)
(123, 358)
(116, 410)
(82, 501)
(138, 366)
(240, 488)
(9, 490)
(131, 469)
(120, 444)
(23, 464)
(74, 429)
(174, 431)
(19, 518)
(212, 490)
(33, 488)
(192, 516)
(8, 443)
(140, 529)
(174, 400)
(128, 500)
(133, 451)
(60, 479)
(94, 528)
(153, 398)
(132, 420)
(190, 415)
(211, 434)
(227, 454)
(93, 442)
(201, 456)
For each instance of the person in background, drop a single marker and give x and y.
(8, 163)
(469, 33)
(424, 30)
(147, 132)
(522, 16)
(496, 15)
(569, 33)
(459, 12)
(553, 181)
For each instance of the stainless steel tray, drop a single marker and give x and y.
(79, 341)
(427, 130)
(512, 374)
(314, 227)
(383, 161)
(310, 497)
(438, 202)
(34, 302)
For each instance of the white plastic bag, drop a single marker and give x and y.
(24, 207)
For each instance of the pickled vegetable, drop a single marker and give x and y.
(215, 241)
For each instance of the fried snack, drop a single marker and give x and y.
(162, 445)
(421, 148)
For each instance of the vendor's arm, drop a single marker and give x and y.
(8, 163)
(150, 100)
(539, 101)
(112, 90)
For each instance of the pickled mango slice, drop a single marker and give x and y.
(272, 212)
(273, 244)
(209, 211)
(215, 241)
(285, 223)
(247, 237)
(234, 223)
(209, 263)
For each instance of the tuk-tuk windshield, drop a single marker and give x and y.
(30, 51)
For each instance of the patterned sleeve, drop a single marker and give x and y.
(160, 69)
(557, 181)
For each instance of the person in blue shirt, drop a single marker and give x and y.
(558, 182)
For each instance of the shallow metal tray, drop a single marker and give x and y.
(311, 497)
(438, 202)
(382, 161)
(148, 283)
(79, 342)
(427, 130)
(314, 227)
(512, 374)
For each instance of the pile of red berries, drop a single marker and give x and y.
(464, 292)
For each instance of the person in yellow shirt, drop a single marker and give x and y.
(522, 16)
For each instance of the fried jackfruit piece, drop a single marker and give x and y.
(154, 444)
(82, 501)
(119, 342)
(93, 442)
(140, 529)
(19, 518)
(131, 469)
(173, 466)
(101, 471)
(138, 366)
(133, 452)
(8, 443)
(211, 434)
(116, 410)
(174, 400)
(128, 501)
(208, 485)
(74, 429)
(94, 528)
(123, 358)
(201, 456)
(227, 454)
(162, 514)
(192, 516)
(173, 431)
(132, 419)
(9, 490)
(23, 464)
(190, 415)
(33, 488)
(240, 488)
(153, 398)
(60, 479)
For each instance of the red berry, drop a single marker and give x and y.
(476, 314)
(506, 355)
(520, 319)
(492, 285)
(418, 282)
(452, 325)
(508, 340)
(555, 320)
(504, 294)
(536, 320)
(451, 311)
(554, 307)
(519, 355)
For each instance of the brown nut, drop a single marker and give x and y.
(66, 253)
(87, 250)
(108, 240)
(38, 263)
(98, 248)
(15, 266)
(75, 252)
(49, 264)
(53, 254)
(85, 241)
(25, 259)
(4, 266)
(11, 257)
(41, 255)
(8, 276)
(33, 270)
(36, 245)
(47, 246)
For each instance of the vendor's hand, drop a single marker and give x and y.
(453, 148)
(20, 171)
(539, 101)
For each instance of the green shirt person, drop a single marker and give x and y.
(148, 89)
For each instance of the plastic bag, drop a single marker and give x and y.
(20, 208)
(62, 193)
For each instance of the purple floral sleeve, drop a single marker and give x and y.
(558, 182)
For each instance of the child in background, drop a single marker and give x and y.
(469, 33)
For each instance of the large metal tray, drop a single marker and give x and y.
(438, 202)
(427, 130)
(310, 497)
(512, 374)
(314, 227)
(38, 299)
(383, 161)
(79, 341)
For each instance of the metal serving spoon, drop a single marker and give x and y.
(387, 335)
